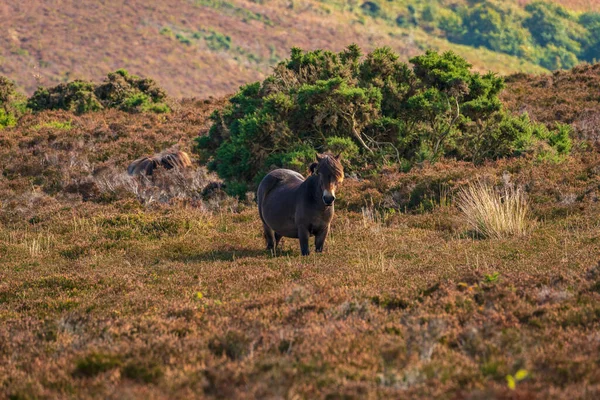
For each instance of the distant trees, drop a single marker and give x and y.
(375, 109)
(541, 32)
(545, 33)
(591, 46)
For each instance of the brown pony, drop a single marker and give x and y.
(168, 160)
(291, 206)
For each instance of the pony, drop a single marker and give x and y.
(168, 160)
(294, 207)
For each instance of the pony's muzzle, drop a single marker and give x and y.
(328, 199)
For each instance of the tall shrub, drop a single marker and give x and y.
(375, 108)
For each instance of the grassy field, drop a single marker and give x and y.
(172, 301)
(120, 287)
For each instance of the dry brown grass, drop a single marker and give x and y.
(107, 296)
(172, 301)
(494, 214)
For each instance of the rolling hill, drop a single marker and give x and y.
(210, 47)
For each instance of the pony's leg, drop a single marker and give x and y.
(277, 239)
(320, 239)
(303, 235)
(269, 235)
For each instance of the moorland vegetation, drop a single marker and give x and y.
(160, 287)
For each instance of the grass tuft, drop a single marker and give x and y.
(492, 214)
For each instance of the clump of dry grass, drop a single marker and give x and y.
(493, 214)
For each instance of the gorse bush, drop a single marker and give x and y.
(77, 96)
(119, 90)
(373, 109)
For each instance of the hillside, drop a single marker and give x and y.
(210, 47)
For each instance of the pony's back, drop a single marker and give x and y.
(168, 160)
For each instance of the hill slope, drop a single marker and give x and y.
(194, 47)
(210, 47)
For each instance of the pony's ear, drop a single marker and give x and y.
(313, 168)
(338, 156)
(319, 157)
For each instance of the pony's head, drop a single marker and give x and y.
(331, 173)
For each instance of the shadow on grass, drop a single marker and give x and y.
(228, 255)
(472, 234)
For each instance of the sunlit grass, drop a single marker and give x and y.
(494, 214)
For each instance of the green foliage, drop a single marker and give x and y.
(553, 145)
(119, 90)
(373, 110)
(183, 39)
(343, 146)
(591, 46)
(548, 24)
(406, 18)
(166, 32)
(11, 103)
(77, 96)
(451, 94)
(217, 41)
(542, 32)
(496, 27)
(372, 8)
(7, 91)
(6, 119)
(59, 125)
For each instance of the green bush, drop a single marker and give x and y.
(77, 96)
(372, 8)
(217, 41)
(343, 146)
(119, 90)
(11, 103)
(375, 110)
(407, 18)
(6, 119)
